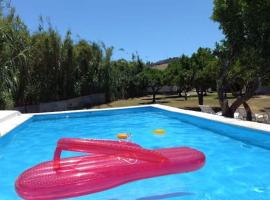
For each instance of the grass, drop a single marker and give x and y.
(257, 103)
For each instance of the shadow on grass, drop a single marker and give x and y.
(196, 108)
(167, 97)
(227, 97)
(150, 98)
(172, 97)
(150, 102)
(192, 108)
(182, 99)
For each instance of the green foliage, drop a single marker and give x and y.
(66, 77)
(244, 55)
(246, 25)
(13, 58)
(88, 58)
(204, 64)
(154, 79)
(181, 74)
(6, 101)
(198, 71)
(42, 67)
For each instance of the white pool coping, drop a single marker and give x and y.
(217, 118)
(7, 114)
(7, 125)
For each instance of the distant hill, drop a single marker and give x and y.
(162, 64)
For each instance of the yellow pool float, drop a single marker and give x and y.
(159, 131)
(122, 136)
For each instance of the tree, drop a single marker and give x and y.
(136, 88)
(67, 68)
(42, 66)
(154, 79)
(13, 59)
(107, 72)
(88, 58)
(120, 79)
(244, 54)
(46, 64)
(205, 67)
(181, 74)
(125, 80)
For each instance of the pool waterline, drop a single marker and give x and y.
(14, 122)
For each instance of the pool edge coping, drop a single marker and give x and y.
(12, 123)
(230, 121)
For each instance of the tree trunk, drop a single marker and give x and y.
(248, 111)
(200, 98)
(229, 111)
(185, 95)
(200, 94)
(154, 95)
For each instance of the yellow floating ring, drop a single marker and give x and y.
(122, 136)
(159, 131)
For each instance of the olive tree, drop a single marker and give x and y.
(154, 79)
(244, 53)
(205, 68)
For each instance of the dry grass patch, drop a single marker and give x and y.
(257, 103)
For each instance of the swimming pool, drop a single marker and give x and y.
(237, 159)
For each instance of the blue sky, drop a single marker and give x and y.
(155, 29)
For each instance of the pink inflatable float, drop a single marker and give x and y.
(109, 164)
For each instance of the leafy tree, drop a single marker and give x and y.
(244, 54)
(13, 60)
(205, 68)
(136, 88)
(125, 78)
(67, 68)
(87, 65)
(46, 60)
(107, 72)
(181, 74)
(121, 78)
(154, 79)
(42, 67)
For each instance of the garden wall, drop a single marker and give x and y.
(69, 104)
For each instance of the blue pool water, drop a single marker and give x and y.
(237, 165)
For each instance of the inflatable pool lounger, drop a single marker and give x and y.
(108, 164)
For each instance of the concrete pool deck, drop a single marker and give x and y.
(11, 119)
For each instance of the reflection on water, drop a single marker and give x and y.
(165, 196)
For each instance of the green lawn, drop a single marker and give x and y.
(257, 103)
